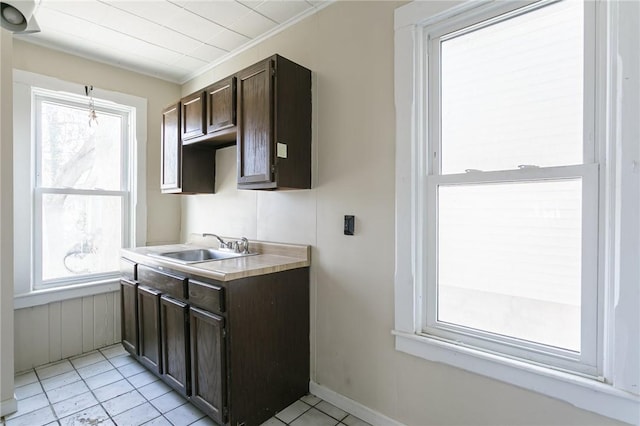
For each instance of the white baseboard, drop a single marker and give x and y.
(8, 406)
(351, 406)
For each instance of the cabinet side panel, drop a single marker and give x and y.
(170, 145)
(269, 344)
(293, 124)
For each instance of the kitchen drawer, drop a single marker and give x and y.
(206, 296)
(128, 269)
(173, 285)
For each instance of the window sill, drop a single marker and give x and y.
(582, 392)
(58, 294)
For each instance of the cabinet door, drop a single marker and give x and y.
(221, 105)
(171, 146)
(174, 320)
(149, 328)
(255, 124)
(193, 110)
(208, 364)
(129, 316)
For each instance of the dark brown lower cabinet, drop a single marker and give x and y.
(208, 363)
(129, 315)
(238, 350)
(174, 317)
(149, 328)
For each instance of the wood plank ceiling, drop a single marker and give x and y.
(170, 39)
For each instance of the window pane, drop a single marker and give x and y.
(512, 92)
(80, 235)
(75, 155)
(509, 259)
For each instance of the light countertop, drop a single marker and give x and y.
(271, 257)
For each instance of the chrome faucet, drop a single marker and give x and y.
(223, 245)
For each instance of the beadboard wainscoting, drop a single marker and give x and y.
(59, 330)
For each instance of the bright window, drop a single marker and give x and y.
(511, 186)
(517, 232)
(82, 189)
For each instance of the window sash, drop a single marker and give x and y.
(39, 194)
(125, 192)
(589, 360)
(434, 36)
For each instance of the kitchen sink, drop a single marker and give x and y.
(198, 255)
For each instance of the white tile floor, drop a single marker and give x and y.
(109, 387)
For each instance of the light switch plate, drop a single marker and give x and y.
(281, 150)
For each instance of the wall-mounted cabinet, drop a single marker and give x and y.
(185, 169)
(274, 125)
(265, 109)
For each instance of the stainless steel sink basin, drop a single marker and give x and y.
(197, 255)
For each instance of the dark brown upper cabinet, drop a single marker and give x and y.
(221, 110)
(187, 169)
(192, 125)
(208, 117)
(274, 125)
(171, 147)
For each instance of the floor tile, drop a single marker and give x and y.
(26, 391)
(52, 370)
(121, 361)
(168, 402)
(311, 399)
(103, 379)
(90, 416)
(95, 369)
(161, 421)
(293, 411)
(137, 416)
(30, 404)
(124, 402)
(25, 378)
(206, 421)
(109, 387)
(112, 390)
(331, 410)
(67, 391)
(273, 421)
(154, 390)
(61, 380)
(141, 379)
(314, 417)
(113, 351)
(131, 369)
(74, 404)
(184, 415)
(87, 359)
(35, 418)
(354, 421)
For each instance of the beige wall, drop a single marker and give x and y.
(7, 402)
(349, 46)
(163, 211)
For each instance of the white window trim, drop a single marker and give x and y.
(618, 395)
(25, 295)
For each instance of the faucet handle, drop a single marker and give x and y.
(245, 244)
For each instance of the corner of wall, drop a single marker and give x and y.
(7, 397)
